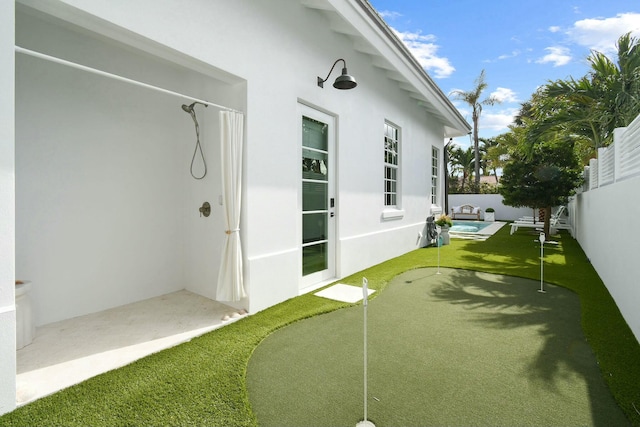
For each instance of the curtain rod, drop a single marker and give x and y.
(117, 77)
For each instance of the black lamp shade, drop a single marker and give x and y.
(345, 81)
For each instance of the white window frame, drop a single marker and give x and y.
(435, 174)
(392, 133)
(391, 138)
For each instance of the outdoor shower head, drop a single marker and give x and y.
(192, 112)
(189, 108)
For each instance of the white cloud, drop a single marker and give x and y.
(554, 29)
(513, 54)
(425, 51)
(389, 14)
(557, 55)
(601, 34)
(505, 95)
(498, 121)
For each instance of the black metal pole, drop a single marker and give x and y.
(445, 157)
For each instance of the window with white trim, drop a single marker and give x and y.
(435, 161)
(391, 165)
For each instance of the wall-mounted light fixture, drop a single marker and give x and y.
(344, 81)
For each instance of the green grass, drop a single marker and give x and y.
(203, 382)
(456, 348)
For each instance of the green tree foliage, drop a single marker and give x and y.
(462, 162)
(592, 106)
(542, 177)
(493, 155)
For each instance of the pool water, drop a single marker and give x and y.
(469, 226)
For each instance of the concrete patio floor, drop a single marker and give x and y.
(70, 351)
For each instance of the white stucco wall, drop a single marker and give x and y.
(606, 228)
(484, 201)
(7, 212)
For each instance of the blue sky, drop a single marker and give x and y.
(520, 44)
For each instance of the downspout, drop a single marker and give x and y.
(445, 158)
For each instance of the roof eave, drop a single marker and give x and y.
(372, 36)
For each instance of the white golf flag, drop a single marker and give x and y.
(365, 291)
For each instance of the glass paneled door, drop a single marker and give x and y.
(317, 197)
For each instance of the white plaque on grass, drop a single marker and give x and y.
(343, 293)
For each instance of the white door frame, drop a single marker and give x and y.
(309, 280)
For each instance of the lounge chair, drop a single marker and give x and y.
(536, 225)
(553, 215)
(556, 223)
(553, 225)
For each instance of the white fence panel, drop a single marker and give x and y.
(629, 146)
(585, 184)
(606, 165)
(613, 250)
(484, 201)
(593, 174)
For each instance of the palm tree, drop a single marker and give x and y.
(620, 82)
(472, 98)
(572, 106)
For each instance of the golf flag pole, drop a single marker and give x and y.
(365, 301)
(542, 239)
(438, 243)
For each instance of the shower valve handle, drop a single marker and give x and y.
(205, 209)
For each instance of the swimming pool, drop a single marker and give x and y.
(469, 226)
(476, 230)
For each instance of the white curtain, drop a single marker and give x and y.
(230, 282)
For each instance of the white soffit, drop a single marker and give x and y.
(381, 45)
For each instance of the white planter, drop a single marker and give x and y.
(444, 234)
(490, 216)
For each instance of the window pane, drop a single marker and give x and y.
(314, 196)
(314, 258)
(314, 227)
(314, 165)
(314, 134)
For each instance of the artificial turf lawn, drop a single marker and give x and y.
(455, 348)
(203, 382)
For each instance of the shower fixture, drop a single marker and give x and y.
(190, 109)
(205, 209)
(344, 81)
